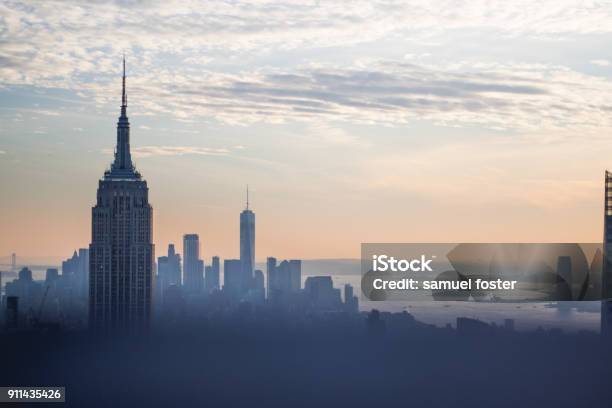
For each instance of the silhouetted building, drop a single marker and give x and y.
(75, 273)
(258, 279)
(168, 270)
(121, 250)
(257, 293)
(283, 279)
(322, 294)
(606, 304)
(193, 266)
(12, 312)
(232, 278)
(351, 302)
(272, 284)
(472, 327)
(25, 288)
(211, 277)
(247, 246)
(52, 276)
(173, 303)
(376, 327)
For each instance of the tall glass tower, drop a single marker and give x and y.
(121, 250)
(193, 266)
(606, 303)
(247, 245)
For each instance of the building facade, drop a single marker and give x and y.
(168, 271)
(212, 275)
(247, 247)
(606, 303)
(193, 266)
(121, 253)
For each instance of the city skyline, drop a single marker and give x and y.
(311, 203)
(357, 122)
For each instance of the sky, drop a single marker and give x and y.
(361, 121)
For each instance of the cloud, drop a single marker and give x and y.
(601, 62)
(497, 96)
(175, 46)
(54, 42)
(149, 151)
(2, 152)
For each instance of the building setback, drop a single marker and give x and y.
(121, 253)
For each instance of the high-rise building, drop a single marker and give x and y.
(284, 278)
(258, 280)
(168, 270)
(12, 312)
(247, 246)
(232, 278)
(212, 275)
(52, 276)
(193, 266)
(351, 302)
(25, 288)
(257, 293)
(322, 294)
(121, 253)
(75, 273)
(272, 277)
(82, 277)
(606, 304)
(348, 292)
(295, 275)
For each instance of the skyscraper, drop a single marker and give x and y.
(232, 279)
(351, 302)
(193, 266)
(168, 270)
(606, 303)
(284, 279)
(212, 275)
(247, 245)
(121, 253)
(25, 288)
(12, 312)
(75, 272)
(272, 278)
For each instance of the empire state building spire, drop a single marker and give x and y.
(121, 253)
(123, 94)
(122, 167)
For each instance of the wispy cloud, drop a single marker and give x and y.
(497, 96)
(149, 151)
(177, 44)
(601, 62)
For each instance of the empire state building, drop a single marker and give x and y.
(121, 249)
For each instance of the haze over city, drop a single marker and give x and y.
(452, 122)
